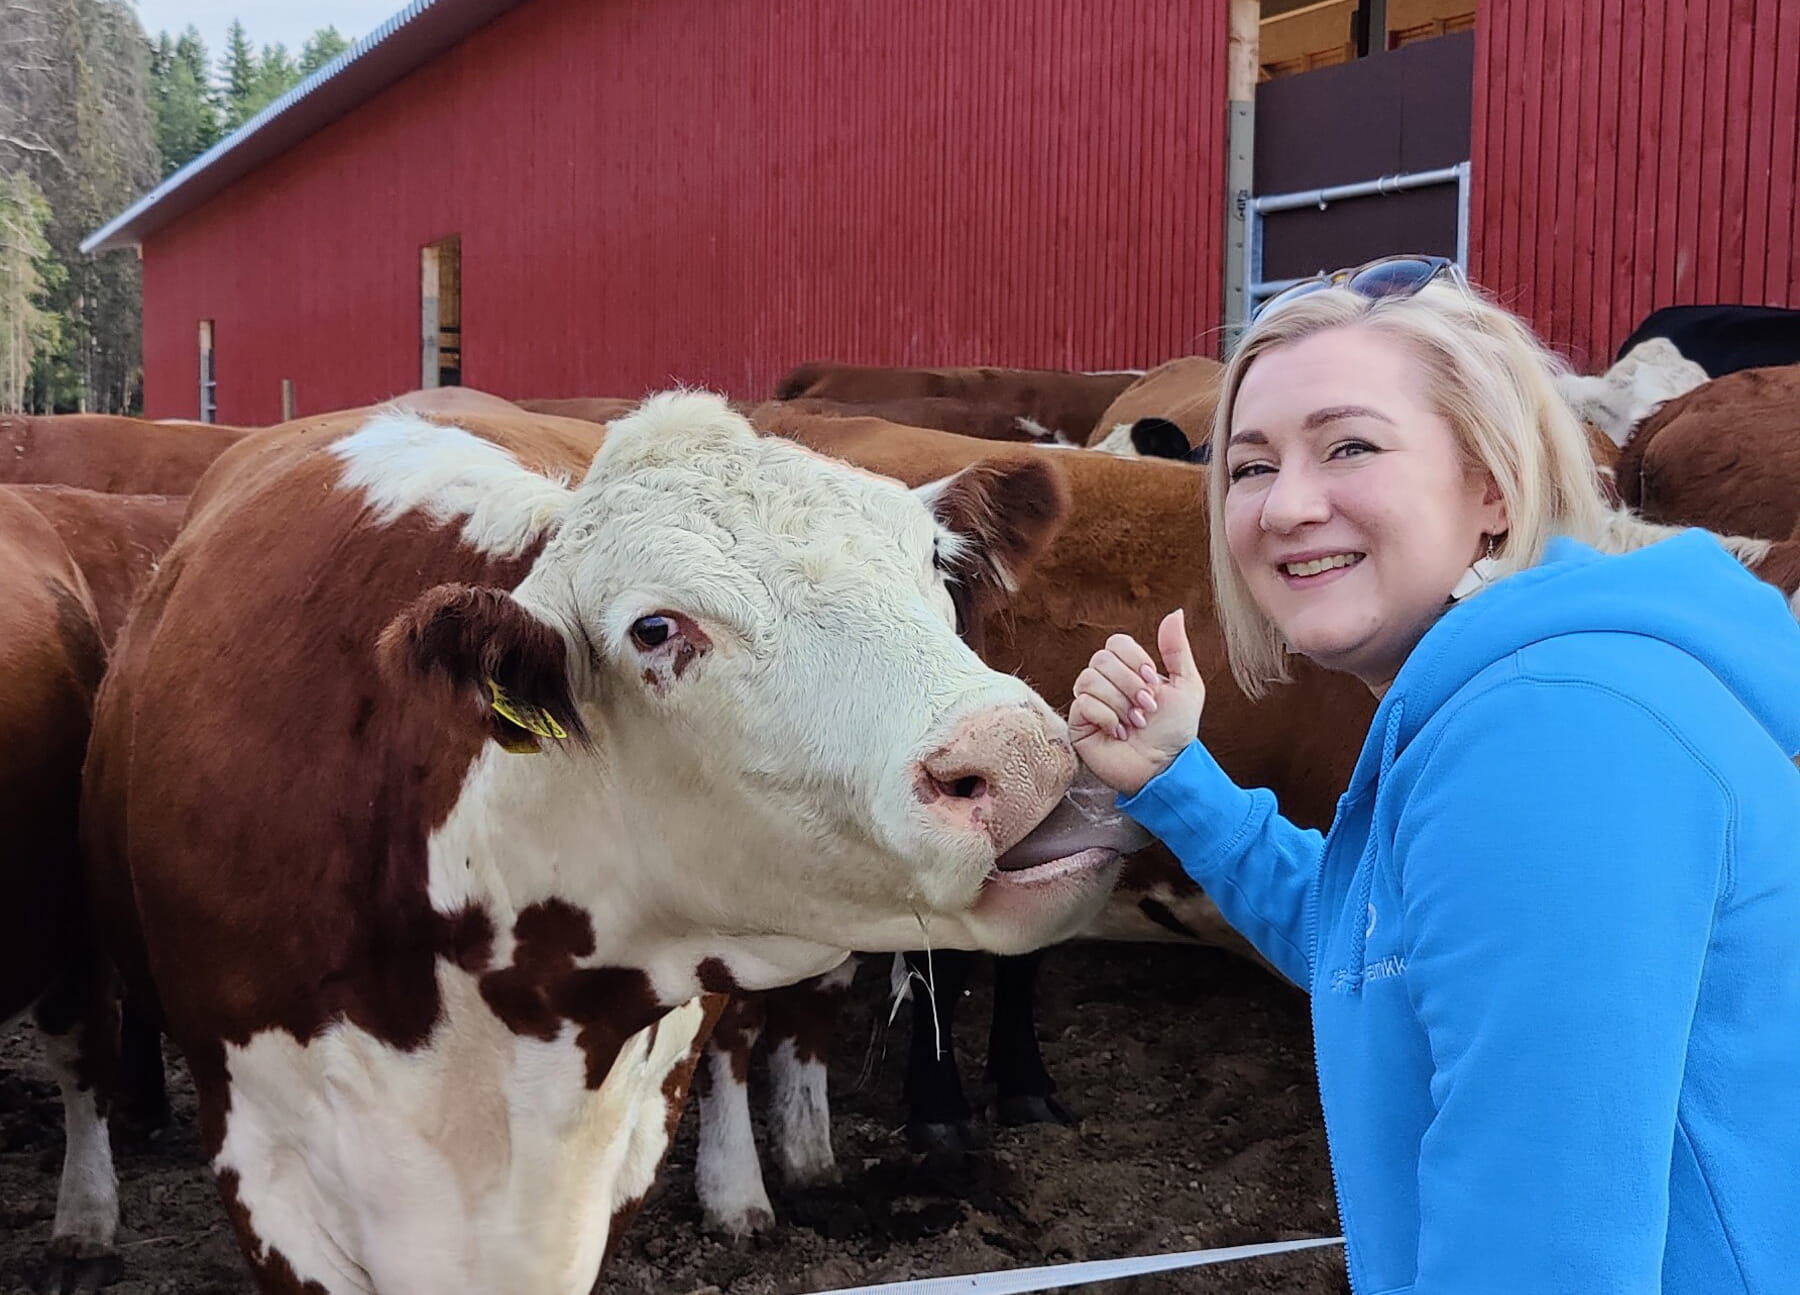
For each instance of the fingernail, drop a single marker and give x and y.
(1137, 718)
(1119, 733)
(1149, 674)
(1148, 703)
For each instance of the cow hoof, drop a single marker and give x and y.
(73, 1273)
(1014, 1111)
(739, 1225)
(939, 1139)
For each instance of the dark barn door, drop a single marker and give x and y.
(1395, 113)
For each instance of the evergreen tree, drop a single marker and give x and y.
(241, 83)
(320, 48)
(187, 116)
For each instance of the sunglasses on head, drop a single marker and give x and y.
(1390, 276)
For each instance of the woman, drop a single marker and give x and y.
(1553, 935)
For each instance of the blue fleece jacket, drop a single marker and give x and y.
(1553, 936)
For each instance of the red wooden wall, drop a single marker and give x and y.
(1631, 154)
(711, 192)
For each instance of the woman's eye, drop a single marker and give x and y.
(1352, 449)
(650, 632)
(1244, 470)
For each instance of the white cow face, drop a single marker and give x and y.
(762, 649)
(1647, 377)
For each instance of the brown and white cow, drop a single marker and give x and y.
(1051, 403)
(70, 562)
(117, 455)
(440, 773)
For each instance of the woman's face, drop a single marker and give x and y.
(1347, 508)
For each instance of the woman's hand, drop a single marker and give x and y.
(1129, 722)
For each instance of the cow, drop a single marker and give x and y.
(444, 778)
(1134, 546)
(1723, 339)
(1167, 413)
(116, 455)
(1641, 382)
(70, 562)
(1050, 403)
(1725, 456)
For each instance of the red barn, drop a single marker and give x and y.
(599, 197)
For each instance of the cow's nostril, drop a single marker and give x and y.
(969, 788)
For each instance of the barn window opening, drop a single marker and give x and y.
(1298, 36)
(209, 378)
(440, 302)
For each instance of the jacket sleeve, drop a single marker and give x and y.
(1254, 864)
(1560, 858)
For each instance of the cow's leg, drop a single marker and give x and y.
(798, 1038)
(938, 1116)
(78, 1021)
(1023, 1089)
(143, 1094)
(728, 1174)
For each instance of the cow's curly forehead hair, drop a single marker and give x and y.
(802, 524)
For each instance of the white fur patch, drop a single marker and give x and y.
(87, 1200)
(800, 1117)
(402, 463)
(479, 1162)
(727, 1173)
(1117, 441)
(1645, 378)
(1031, 427)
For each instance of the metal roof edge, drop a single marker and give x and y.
(406, 41)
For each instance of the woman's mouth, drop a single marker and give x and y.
(1309, 571)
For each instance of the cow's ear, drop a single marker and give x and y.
(485, 644)
(1001, 515)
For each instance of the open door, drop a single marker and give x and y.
(440, 313)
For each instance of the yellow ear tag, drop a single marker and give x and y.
(532, 719)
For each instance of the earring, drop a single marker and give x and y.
(1479, 575)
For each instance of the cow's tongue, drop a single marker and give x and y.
(1084, 819)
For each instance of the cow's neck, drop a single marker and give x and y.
(563, 831)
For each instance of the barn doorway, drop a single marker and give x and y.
(1363, 130)
(209, 378)
(440, 313)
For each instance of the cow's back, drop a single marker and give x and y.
(1725, 456)
(116, 540)
(116, 455)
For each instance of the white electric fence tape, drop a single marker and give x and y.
(1021, 1281)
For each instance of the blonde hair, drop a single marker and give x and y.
(1492, 381)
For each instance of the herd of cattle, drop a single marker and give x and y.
(460, 781)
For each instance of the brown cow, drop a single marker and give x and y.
(437, 790)
(1058, 404)
(70, 562)
(1725, 456)
(1164, 414)
(126, 456)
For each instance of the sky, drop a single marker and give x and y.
(266, 21)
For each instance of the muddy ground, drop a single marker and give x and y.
(1192, 1071)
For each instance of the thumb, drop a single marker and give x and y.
(1172, 645)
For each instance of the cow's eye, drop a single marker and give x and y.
(649, 632)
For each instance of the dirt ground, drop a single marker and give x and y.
(1192, 1072)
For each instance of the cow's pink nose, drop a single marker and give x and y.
(1000, 772)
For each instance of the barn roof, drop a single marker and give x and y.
(415, 35)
